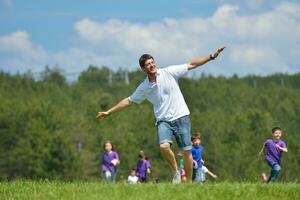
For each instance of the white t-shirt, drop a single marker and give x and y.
(165, 95)
(132, 179)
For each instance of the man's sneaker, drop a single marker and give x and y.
(176, 177)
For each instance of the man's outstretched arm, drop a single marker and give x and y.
(200, 61)
(118, 107)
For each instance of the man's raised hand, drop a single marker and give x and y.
(216, 53)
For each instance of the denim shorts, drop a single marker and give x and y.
(180, 128)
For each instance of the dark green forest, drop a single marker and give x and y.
(48, 128)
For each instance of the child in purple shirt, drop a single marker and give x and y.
(143, 167)
(272, 149)
(110, 161)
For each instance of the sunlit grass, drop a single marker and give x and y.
(98, 190)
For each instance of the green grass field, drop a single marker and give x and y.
(101, 191)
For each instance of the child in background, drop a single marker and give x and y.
(181, 167)
(272, 148)
(197, 158)
(132, 178)
(143, 167)
(110, 161)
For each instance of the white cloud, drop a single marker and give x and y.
(257, 60)
(23, 53)
(76, 59)
(124, 37)
(261, 43)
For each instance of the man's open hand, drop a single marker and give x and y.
(102, 115)
(216, 53)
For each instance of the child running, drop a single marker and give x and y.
(110, 161)
(143, 167)
(272, 148)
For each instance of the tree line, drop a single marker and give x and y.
(48, 127)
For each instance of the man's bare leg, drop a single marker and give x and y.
(169, 155)
(188, 165)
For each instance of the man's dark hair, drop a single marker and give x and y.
(276, 129)
(143, 59)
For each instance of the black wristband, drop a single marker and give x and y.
(211, 57)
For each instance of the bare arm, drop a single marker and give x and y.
(118, 107)
(212, 174)
(262, 150)
(195, 163)
(202, 60)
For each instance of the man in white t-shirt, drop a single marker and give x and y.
(172, 114)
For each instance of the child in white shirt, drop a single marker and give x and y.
(132, 178)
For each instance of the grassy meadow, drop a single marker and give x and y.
(22, 190)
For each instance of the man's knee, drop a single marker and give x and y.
(164, 146)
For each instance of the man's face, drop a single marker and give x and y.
(150, 67)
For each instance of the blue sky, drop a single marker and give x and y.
(262, 36)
